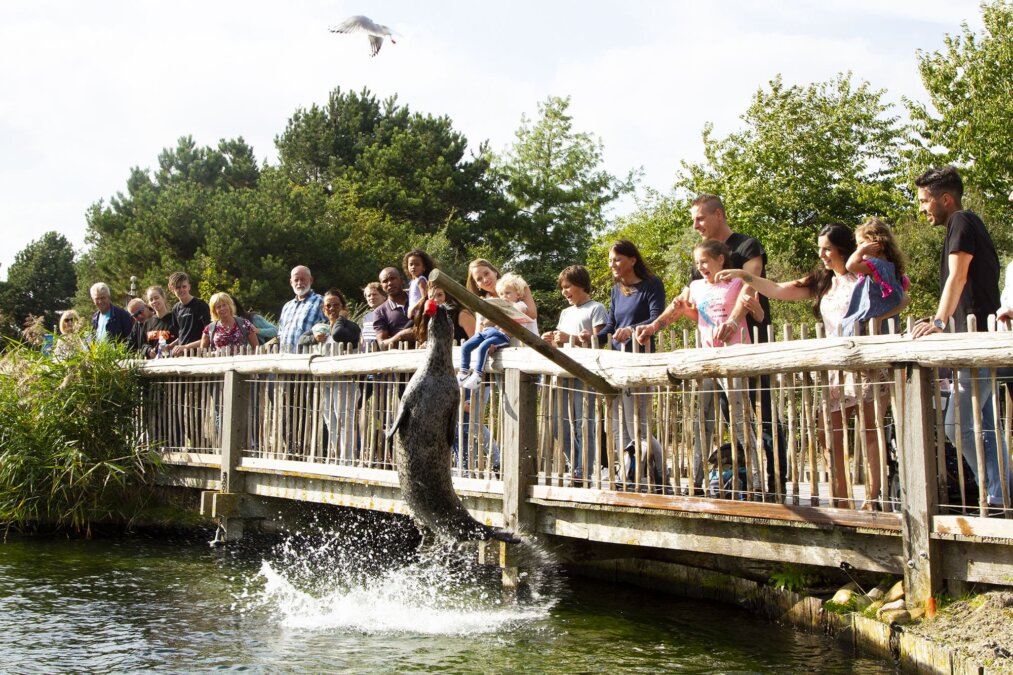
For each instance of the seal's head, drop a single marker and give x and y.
(441, 326)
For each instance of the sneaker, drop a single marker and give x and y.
(462, 375)
(473, 381)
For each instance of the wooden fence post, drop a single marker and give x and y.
(520, 446)
(918, 491)
(227, 505)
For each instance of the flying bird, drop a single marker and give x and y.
(377, 32)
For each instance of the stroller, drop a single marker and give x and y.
(720, 476)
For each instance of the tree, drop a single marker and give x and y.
(383, 157)
(41, 281)
(807, 156)
(553, 178)
(970, 122)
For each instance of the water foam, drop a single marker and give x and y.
(336, 583)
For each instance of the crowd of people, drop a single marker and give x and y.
(859, 282)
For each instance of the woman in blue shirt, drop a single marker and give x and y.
(638, 298)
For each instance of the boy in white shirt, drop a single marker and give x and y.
(575, 408)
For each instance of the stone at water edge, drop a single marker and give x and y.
(842, 596)
(861, 602)
(875, 606)
(896, 592)
(876, 593)
(896, 604)
(898, 616)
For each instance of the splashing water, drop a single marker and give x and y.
(372, 585)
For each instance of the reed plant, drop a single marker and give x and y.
(70, 454)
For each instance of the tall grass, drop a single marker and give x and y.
(69, 447)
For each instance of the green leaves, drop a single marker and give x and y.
(41, 281)
(69, 447)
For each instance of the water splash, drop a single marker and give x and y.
(361, 580)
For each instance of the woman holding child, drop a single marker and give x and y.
(836, 286)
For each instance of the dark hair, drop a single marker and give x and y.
(427, 261)
(708, 203)
(819, 280)
(337, 294)
(577, 275)
(714, 248)
(630, 250)
(939, 181)
(240, 310)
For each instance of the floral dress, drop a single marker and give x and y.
(235, 337)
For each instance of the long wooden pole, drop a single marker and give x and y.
(511, 328)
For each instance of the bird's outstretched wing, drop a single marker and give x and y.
(353, 24)
(375, 43)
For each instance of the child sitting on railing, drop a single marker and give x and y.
(510, 288)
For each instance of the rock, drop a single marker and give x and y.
(896, 604)
(876, 593)
(842, 596)
(894, 593)
(875, 606)
(898, 616)
(861, 602)
(916, 613)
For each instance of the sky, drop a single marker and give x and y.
(89, 90)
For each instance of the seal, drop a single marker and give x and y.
(423, 434)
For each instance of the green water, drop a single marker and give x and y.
(138, 604)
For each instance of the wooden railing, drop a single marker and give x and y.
(533, 432)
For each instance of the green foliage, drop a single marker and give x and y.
(795, 578)
(41, 281)
(969, 120)
(808, 156)
(69, 450)
(554, 180)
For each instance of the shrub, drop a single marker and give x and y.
(69, 444)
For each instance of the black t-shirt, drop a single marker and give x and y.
(156, 327)
(744, 248)
(966, 233)
(191, 319)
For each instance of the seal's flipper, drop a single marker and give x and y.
(402, 417)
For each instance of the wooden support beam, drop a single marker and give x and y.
(235, 404)
(922, 565)
(510, 327)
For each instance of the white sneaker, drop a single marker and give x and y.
(473, 381)
(462, 375)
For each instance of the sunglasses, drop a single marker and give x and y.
(137, 313)
(332, 304)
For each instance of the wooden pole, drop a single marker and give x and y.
(510, 327)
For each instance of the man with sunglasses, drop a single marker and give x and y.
(140, 313)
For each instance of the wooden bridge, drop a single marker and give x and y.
(253, 428)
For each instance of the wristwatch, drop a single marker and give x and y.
(939, 323)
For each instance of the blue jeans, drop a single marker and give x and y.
(490, 337)
(965, 389)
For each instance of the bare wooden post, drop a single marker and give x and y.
(918, 495)
(235, 401)
(517, 463)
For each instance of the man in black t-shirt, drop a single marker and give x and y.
(710, 222)
(969, 283)
(191, 313)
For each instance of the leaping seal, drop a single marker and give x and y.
(424, 435)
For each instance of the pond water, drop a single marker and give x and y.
(323, 603)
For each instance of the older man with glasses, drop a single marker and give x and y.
(140, 313)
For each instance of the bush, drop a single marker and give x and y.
(69, 444)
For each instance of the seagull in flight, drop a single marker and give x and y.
(377, 32)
